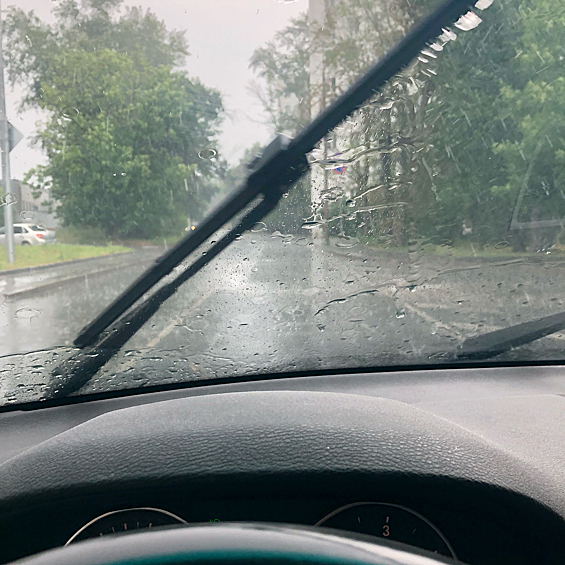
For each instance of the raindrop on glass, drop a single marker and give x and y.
(483, 4)
(28, 313)
(26, 215)
(468, 21)
(259, 226)
(310, 225)
(207, 153)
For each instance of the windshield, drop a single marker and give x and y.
(432, 215)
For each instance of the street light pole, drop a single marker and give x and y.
(5, 149)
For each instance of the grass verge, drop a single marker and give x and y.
(33, 256)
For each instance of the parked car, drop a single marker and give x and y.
(29, 234)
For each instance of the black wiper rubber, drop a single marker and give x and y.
(274, 171)
(281, 165)
(494, 343)
(76, 371)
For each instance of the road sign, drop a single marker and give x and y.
(14, 136)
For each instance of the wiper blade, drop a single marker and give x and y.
(494, 343)
(275, 170)
(282, 163)
(76, 371)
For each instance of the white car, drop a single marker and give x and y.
(29, 234)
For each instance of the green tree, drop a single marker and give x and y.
(441, 152)
(476, 120)
(353, 34)
(534, 158)
(130, 142)
(34, 47)
(467, 117)
(283, 64)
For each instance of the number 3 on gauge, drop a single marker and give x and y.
(386, 528)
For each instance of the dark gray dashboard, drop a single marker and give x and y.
(484, 445)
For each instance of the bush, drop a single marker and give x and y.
(81, 236)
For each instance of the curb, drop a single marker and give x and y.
(51, 265)
(375, 255)
(58, 282)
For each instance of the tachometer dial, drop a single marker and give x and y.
(389, 521)
(125, 521)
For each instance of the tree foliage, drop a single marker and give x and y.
(283, 64)
(534, 157)
(34, 47)
(130, 142)
(456, 147)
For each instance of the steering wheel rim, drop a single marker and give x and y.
(234, 543)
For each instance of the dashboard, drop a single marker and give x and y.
(473, 532)
(388, 521)
(376, 455)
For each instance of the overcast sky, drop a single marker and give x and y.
(222, 35)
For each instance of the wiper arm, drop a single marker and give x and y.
(282, 163)
(277, 168)
(76, 371)
(494, 343)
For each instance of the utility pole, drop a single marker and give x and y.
(5, 149)
(318, 175)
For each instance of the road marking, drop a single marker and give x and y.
(167, 330)
(428, 318)
(459, 308)
(163, 333)
(465, 326)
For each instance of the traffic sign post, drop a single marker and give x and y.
(5, 148)
(14, 136)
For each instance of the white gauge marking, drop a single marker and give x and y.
(410, 511)
(93, 521)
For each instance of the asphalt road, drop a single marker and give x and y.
(275, 303)
(44, 308)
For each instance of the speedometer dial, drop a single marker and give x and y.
(128, 520)
(391, 522)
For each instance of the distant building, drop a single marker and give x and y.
(27, 208)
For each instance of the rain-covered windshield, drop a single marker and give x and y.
(432, 215)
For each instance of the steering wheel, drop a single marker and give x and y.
(234, 544)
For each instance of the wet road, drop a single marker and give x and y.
(278, 304)
(283, 304)
(44, 308)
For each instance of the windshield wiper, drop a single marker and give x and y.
(282, 163)
(494, 343)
